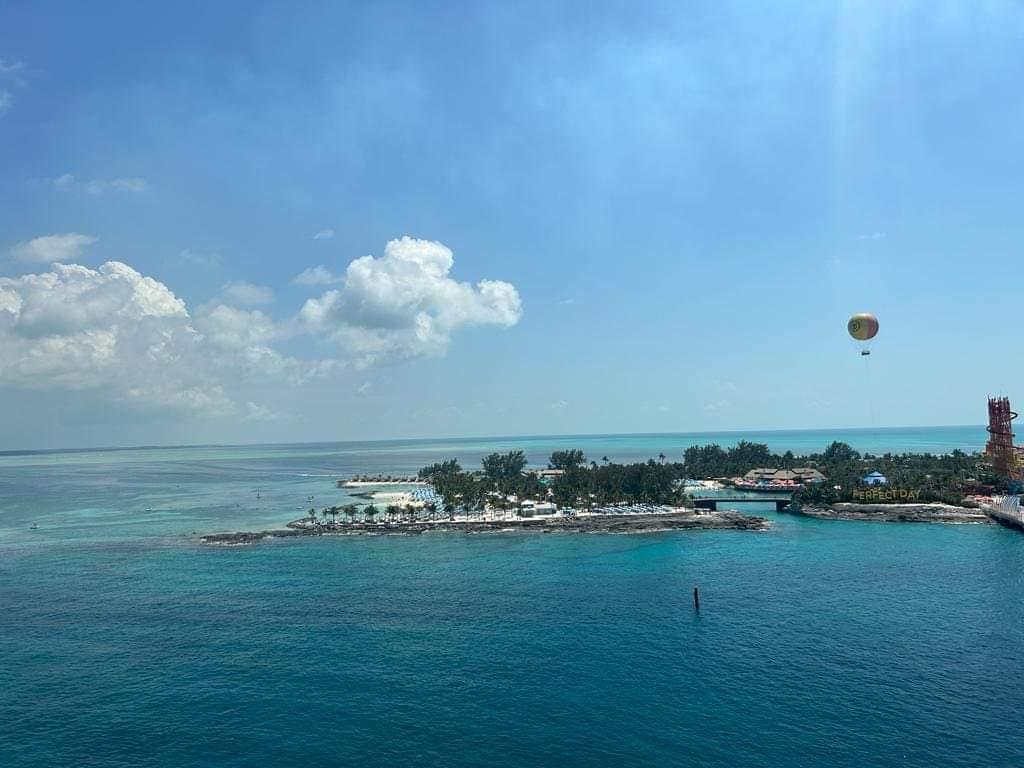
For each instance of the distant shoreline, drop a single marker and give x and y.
(14, 452)
(612, 524)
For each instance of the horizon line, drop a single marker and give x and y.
(154, 447)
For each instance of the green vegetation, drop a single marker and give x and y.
(502, 476)
(444, 468)
(944, 478)
(649, 482)
(704, 462)
(567, 459)
(504, 482)
(580, 486)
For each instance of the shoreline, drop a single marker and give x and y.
(610, 524)
(373, 483)
(931, 512)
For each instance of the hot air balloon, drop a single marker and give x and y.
(863, 327)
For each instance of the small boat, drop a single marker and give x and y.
(34, 527)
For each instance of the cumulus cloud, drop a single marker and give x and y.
(247, 294)
(50, 248)
(318, 275)
(5, 101)
(128, 338)
(230, 328)
(108, 328)
(125, 337)
(324, 234)
(404, 304)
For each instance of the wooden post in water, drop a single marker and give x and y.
(696, 599)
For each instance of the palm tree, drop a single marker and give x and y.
(661, 456)
(312, 516)
(369, 511)
(350, 511)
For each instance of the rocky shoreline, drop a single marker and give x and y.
(617, 524)
(894, 513)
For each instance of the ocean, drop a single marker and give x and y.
(123, 642)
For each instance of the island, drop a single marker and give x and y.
(570, 495)
(575, 495)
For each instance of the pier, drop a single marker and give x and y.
(1006, 511)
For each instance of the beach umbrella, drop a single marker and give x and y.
(862, 327)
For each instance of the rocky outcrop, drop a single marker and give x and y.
(894, 513)
(677, 521)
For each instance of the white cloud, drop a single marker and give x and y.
(132, 185)
(126, 338)
(324, 234)
(318, 275)
(871, 236)
(109, 329)
(717, 405)
(129, 339)
(5, 101)
(247, 294)
(229, 328)
(404, 304)
(50, 248)
(364, 388)
(559, 405)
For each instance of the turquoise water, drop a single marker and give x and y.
(818, 643)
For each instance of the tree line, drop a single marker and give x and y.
(584, 484)
(580, 484)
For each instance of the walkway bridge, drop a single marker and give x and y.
(1006, 510)
(712, 502)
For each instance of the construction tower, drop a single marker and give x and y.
(1000, 449)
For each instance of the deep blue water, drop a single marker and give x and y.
(124, 643)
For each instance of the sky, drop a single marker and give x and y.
(261, 222)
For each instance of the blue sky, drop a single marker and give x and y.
(625, 218)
